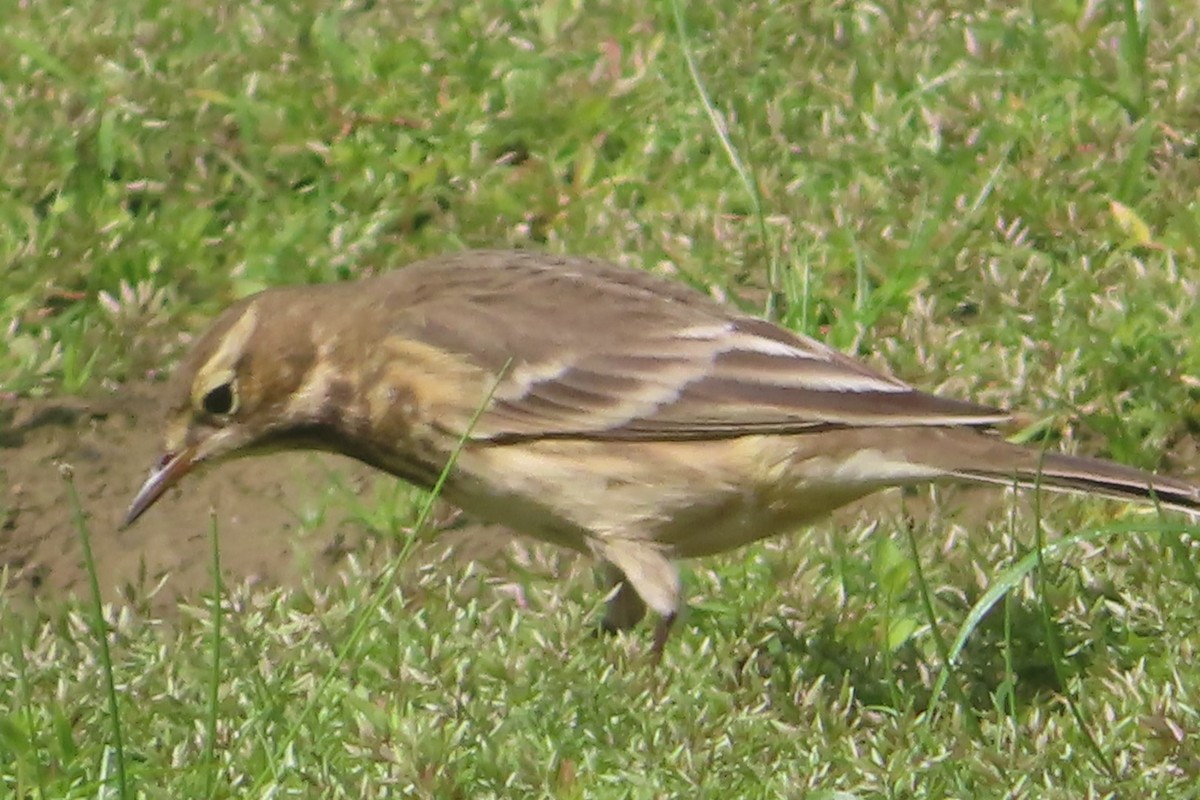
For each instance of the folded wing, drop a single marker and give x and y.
(718, 379)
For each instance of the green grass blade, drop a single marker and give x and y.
(100, 631)
(211, 767)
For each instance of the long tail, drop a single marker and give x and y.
(877, 457)
(1078, 474)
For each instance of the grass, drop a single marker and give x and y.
(996, 202)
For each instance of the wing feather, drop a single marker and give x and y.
(692, 386)
(593, 350)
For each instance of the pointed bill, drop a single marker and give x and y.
(172, 467)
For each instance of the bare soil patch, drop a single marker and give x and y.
(108, 446)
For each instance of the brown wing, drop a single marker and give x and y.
(602, 352)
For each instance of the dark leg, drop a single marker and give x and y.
(648, 577)
(625, 607)
(661, 632)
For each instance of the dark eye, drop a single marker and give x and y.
(219, 401)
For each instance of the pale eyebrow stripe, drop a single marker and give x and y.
(219, 367)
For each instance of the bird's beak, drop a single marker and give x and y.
(171, 468)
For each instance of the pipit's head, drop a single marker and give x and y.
(228, 396)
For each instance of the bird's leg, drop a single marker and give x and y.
(624, 608)
(662, 631)
(647, 573)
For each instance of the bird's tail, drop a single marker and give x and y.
(1081, 475)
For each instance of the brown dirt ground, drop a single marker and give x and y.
(107, 447)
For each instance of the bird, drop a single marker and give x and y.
(602, 408)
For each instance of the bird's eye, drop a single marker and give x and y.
(220, 400)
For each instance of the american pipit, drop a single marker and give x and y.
(624, 415)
